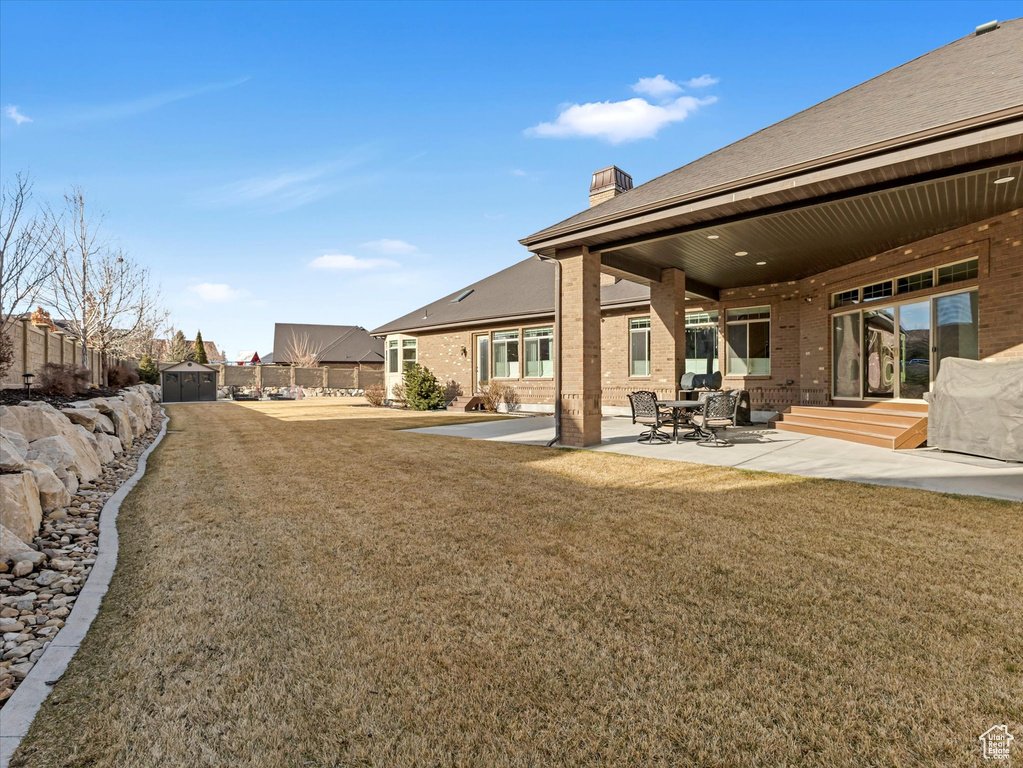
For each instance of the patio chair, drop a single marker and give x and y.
(718, 412)
(646, 412)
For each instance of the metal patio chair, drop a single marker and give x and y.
(718, 412)
(646, 412)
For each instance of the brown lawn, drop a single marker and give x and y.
(302, 584)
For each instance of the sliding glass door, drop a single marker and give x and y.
(894, 352)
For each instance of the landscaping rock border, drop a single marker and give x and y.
(76, 553)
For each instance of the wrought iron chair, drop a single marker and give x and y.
(718, 412)
(645, 411)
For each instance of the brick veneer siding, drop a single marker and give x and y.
(800, 329)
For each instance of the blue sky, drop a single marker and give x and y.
(347, 163)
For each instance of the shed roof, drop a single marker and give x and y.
(974, 76)
(188, 365)
(521, 290)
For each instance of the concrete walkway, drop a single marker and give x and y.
(770, 450)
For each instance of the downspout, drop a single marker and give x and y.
(557, 349)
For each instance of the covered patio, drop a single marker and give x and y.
(765, 449)
(860, 187)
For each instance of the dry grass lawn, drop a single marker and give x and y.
(302, 584)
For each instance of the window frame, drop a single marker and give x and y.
(393, 347)
(414, 345)
(494, 342)
(632, 319)
(524, 353)
(747, 322)
(935, 284)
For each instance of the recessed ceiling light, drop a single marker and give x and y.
(761, 263)
(1003, 180)
(713, 237)
(742, 253)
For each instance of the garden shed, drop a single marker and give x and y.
(188, 382)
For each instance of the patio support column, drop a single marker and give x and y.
(579, 347)
(667, 332)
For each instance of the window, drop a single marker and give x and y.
(392, 356)
(702, 342)
(539, 351)
(953, 273)
(506, 355)
(749, 341)
(845, 298)
(408, 353)
(877, 291)
(639, 346)
(916, 282)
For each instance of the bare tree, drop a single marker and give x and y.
(76, 248)
(25, 267)
(106, 298)
(301, 351)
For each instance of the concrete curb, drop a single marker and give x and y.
(21, 708)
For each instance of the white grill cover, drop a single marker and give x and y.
(977, 407)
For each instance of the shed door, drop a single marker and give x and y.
(189, 387)
(172, 387)
(207, 386)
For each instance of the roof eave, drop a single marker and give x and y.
(547, 239)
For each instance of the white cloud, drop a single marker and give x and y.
(342, 261)
(219, 293)
(518, 172)
(391, 247)
(657, 87)
(15, 114)
(618, 121)
(702, 81)
(153, 101)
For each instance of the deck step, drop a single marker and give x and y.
(883, 427)
(465, 403)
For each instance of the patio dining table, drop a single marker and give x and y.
(680, 409)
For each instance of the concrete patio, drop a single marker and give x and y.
(770, 450)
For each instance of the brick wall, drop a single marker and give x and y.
(800, 319)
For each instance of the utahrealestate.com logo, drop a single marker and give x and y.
(996, 742)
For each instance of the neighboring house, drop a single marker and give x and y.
(248, 357)
(333, 346)
(833, 258)
(161, 348)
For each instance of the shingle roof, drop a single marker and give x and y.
(330, 343)
(973, 76)
(161, 347)
(526, 288)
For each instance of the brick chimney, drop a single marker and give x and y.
(607, 183)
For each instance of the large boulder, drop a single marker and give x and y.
(52, 491)
(111, 441)
(104, 424)
(140, 405)
(17, 439)
(12, 454)
(63, 452)
(13, 549)
(86, 417)
(39, 421)
(19, 500)
(118, 412)
(100, 447)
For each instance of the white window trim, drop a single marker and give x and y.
(747, 322)
(493, 353)
(525, 341)
(631, 331)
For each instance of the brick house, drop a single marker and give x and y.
(832, 259)
(330, 346)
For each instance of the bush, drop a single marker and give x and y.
(375, 394)
(493, 395)
(62, 380)
(148, 371)
(119, 376)
(398, 396)
(422, 391)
